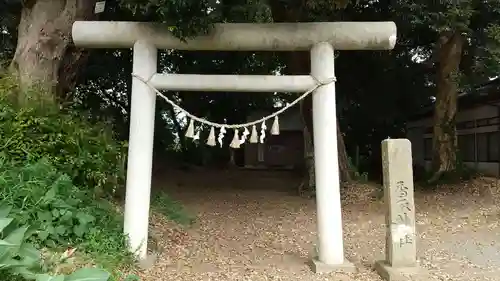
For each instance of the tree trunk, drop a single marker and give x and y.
(45, 57)
(309, 183)
(299, 63)
(344, 167)
(445, 135)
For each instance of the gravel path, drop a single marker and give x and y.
(250, 227)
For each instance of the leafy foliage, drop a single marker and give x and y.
(40, 193)
(20, 258)
(63, 214)
(389, 87)
(50, 175)
(477, 21)
(16, 256)
(84, 274)
(85, 151)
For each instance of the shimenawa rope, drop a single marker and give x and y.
(236, 140)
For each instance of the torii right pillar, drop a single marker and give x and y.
(330, 256)
(330, 241)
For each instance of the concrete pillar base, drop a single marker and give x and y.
(320, 267)
(390, 273)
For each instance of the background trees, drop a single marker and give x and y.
(442, 49)
(461, 43)
(68, 151)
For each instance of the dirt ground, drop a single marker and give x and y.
(252, 226)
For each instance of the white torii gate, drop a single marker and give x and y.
(321, 39)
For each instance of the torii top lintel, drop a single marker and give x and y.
(240, 36)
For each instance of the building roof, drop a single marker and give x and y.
(483, 94)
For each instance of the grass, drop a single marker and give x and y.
(163, 204)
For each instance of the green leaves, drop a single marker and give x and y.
(44, 197)
(15, 254)
(35, 194)
(84, 151)
(187, 18)
(54, 168)
(4, 223)
(84, 274)
(4, 211)
(21, 258)
(46, 277)
(88, 274)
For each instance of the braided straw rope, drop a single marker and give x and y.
(319, 83)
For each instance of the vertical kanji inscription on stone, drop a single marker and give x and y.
(400, 206)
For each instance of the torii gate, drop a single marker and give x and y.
(321, 39)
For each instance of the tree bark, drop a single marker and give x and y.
(45, 57)
(344, 167)
(445, 134)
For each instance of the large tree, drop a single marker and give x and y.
(45, 56)
(461, 39)
(386, 75)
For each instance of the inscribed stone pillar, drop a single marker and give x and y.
(400, 261)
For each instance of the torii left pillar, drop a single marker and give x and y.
(140, 153)
(321, 39)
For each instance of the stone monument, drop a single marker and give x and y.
(401, 252)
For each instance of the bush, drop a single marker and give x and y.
(54, 167)
(85, 151)
(18, 258)
(63, 214)
(41, 194)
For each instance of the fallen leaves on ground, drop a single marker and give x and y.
(250, 226)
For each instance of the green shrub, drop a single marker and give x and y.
(18, 258)
(64, 214)
(84, 150)
(54, 167)
(41, 194)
